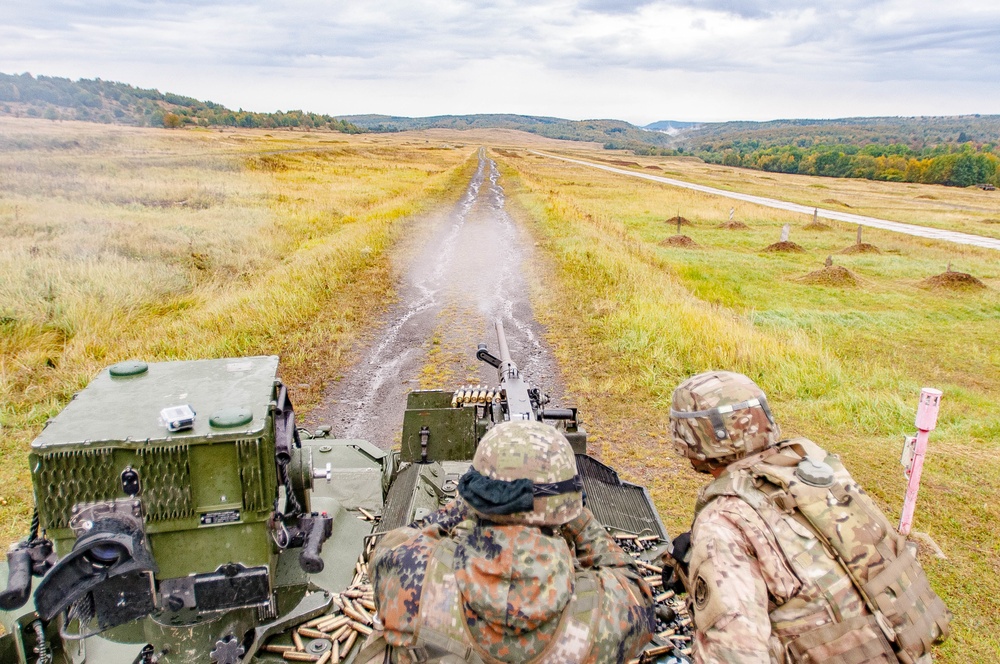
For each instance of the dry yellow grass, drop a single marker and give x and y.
(123, 243)
(843, 366)
(969, 210)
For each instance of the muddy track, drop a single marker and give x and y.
(459, 270)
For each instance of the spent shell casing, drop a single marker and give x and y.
(349, 643)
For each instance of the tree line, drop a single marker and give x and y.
(955, 164)
(95, 100)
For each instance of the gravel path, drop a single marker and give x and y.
(460, 270)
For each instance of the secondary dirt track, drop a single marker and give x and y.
(459, 271)
(899, 227)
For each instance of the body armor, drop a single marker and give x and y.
(860, 581)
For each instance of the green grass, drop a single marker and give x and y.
(969, 210)
(122, 243)
(843, 366)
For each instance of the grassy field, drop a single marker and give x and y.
(123, 243)
(631, 318)
(120, 243)
(969, 210)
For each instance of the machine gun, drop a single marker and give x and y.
(446, 426)
(517, 400)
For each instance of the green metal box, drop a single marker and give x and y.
(207, 491)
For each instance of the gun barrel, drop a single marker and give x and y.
(502, 342)
(518, 402)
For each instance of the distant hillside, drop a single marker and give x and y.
(672, 127)
(612, 134)
(118, 103)
(958, 150)
(914, 132)
(953, 150)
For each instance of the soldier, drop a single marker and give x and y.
(790, 560)
(514, 570)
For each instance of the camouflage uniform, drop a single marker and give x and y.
(778, 537)
(460, 587)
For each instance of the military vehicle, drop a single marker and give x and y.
(182, 516)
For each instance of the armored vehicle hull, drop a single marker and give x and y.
(183, 517)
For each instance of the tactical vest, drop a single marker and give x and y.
(799, 485)
(442, 636)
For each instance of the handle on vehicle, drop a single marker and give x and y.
(318, 530)
(18, 580)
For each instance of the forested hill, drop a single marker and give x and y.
(959, 150)
(612, 134)
(54, 98)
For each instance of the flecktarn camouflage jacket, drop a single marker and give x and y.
(455, 588)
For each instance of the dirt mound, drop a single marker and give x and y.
(784, 247)
(832, 275)
(991, 221)
(834, 201)
(954, 281)
(816, 226)
(927, 197)
(654, 168)
(863, 248)
(734, 226)
(679, 241)
(678, 220)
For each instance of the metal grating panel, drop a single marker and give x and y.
(70, 477)
(399, 500)
(166, 482)
(618, 505)
(251, 475)
(67, 478)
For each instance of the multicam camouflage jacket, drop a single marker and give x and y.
(456, 588)
(792, 562)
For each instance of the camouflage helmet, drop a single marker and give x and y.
(720, 415)
(524, 472)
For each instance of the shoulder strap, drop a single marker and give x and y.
(739, 483)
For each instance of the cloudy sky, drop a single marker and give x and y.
(634, 60)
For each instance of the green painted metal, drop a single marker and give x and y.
(234, 416)
(128, 368)
(452, 433)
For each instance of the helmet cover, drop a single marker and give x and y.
(720, 415)
(519, 454)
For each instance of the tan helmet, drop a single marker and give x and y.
(524, 472)
(720, 415)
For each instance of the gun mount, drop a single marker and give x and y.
(181, 516)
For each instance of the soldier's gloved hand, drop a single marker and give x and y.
(575, 528)
(592, 545)
(676, 563)
(447, 517)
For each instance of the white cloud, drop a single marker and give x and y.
(636, 60)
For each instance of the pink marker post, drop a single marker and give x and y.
(914, 450)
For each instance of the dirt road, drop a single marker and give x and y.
(899, 227)
(460, 270)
